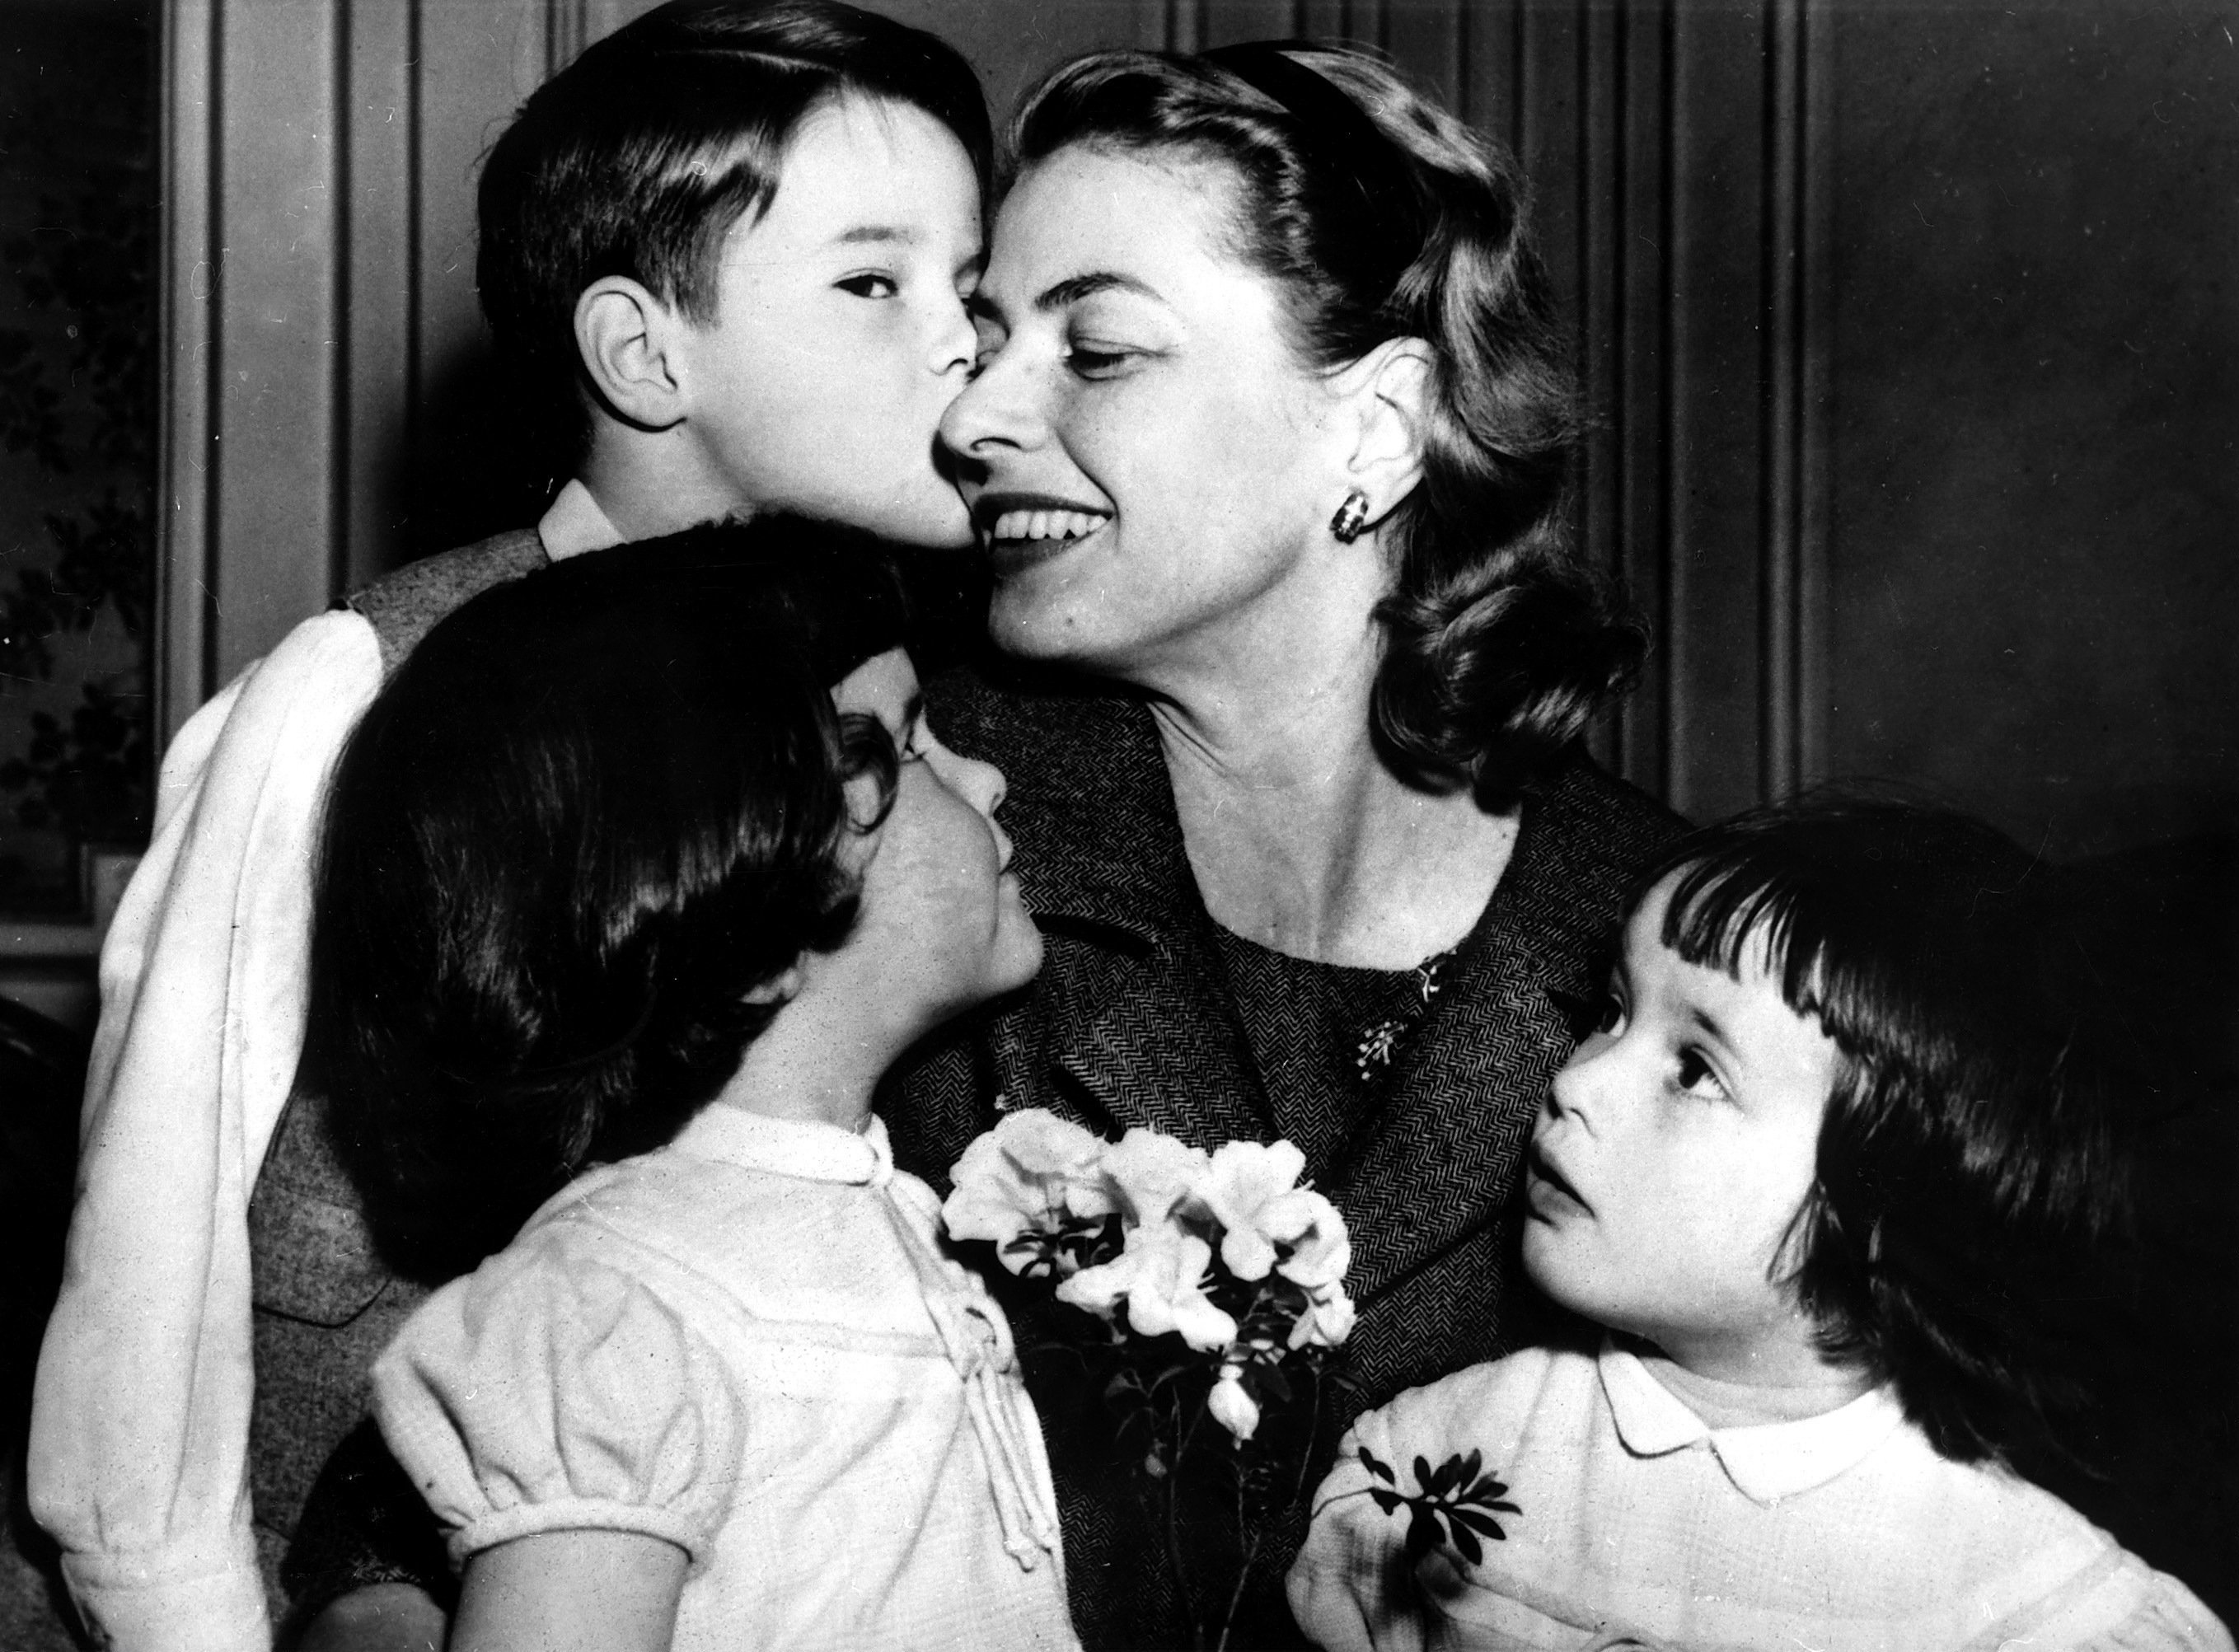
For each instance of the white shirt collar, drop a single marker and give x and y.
(1766, 1462)
(812, 1151)
(574, 524)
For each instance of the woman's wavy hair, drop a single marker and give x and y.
(1378, 215)
(590, 814)
(1971, 1172)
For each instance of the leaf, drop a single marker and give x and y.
(1381, 1471)
(1466, 1540)
(1422, 1476)
(1478, 1521)
(1486, 1488)
(1389, 1501)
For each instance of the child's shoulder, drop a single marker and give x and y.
(403, 606)
(1491, 1404)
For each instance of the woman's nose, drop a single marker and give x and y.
(996, 409)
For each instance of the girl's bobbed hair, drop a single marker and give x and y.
(590, 814)
(1378, 216)
(1970, 1168)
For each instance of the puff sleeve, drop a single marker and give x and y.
(550, 1391)
(2171, 1618)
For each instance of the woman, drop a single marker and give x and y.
(1269, 432)
(1267, 444)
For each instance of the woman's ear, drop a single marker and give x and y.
(1388, 391)
(626, 339)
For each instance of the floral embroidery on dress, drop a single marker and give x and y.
(1372, 1057)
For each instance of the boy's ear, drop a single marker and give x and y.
(779, 989)
(627, 339)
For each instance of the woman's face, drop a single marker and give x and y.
(1149, 464)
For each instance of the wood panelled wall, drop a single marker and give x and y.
(328, 414)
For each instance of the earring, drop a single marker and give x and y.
(1351, 518)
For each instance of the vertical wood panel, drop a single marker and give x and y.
(475, 64)
(1815, 675)
(1717, 280)
(373, 493)
(1598, 316)
(190, 274)
(1425, 37)
(1642, 410)
(1780, 755)
(277, 312)
(1492, 91)
(1231, 21)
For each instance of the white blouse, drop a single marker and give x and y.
(1640, 1526)
(747, 1344)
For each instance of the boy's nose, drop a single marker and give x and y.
(954, 342)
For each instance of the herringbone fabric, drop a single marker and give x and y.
(1130, 1023)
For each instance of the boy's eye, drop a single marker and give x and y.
(870, 284)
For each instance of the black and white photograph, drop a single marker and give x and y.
(1106, 824)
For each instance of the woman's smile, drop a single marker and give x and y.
(1020, 530)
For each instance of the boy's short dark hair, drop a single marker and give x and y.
(638, 157)
(592, 812)
(1968, 1163)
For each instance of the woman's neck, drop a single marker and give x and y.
(1301, 839)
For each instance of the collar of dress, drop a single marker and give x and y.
(573, 523)
(1766, 1462)
(796, 1147)
(1092, 807)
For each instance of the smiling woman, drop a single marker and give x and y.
(1268, 438)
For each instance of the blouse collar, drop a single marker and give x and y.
(1766, 1462)
(802, 1148)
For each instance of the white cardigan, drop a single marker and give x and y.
(140, 1420)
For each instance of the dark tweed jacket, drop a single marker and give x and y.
(1130, 1023)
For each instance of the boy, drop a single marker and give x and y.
(733, 239)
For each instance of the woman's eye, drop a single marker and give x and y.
(1695, 1076)
(870, 284)
(1095, 361)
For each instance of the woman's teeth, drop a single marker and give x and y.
(1046, 524)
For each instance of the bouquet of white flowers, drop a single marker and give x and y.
(1212, 1283)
